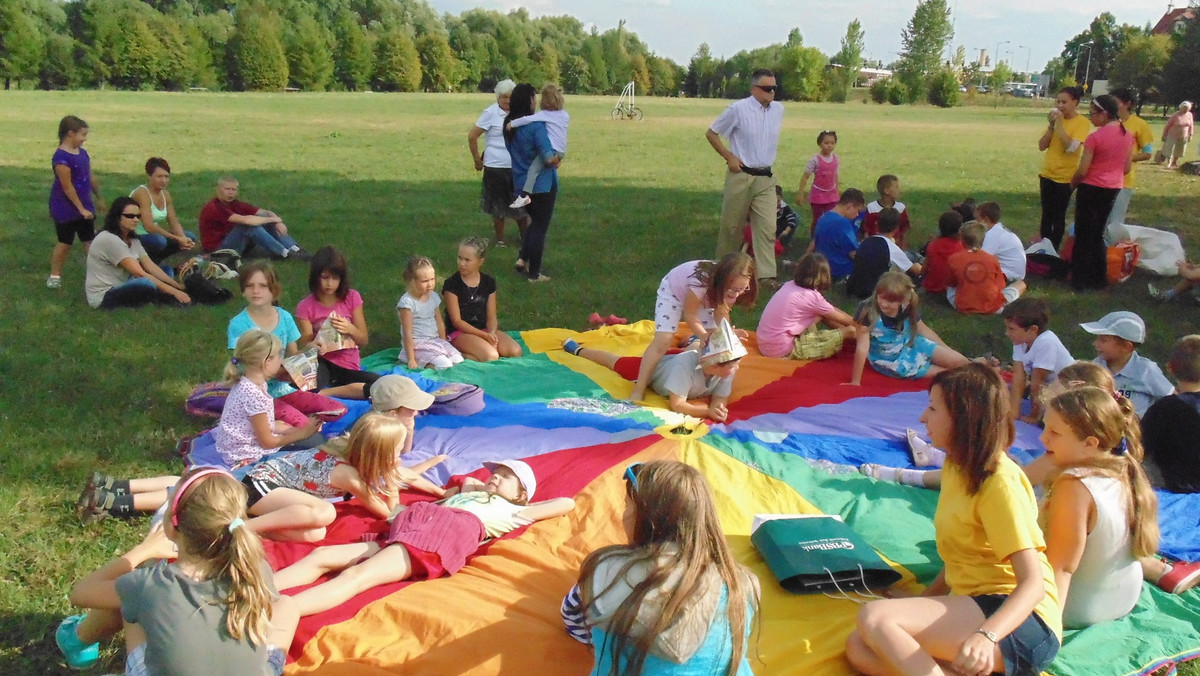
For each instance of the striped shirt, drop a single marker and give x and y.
(752, 130)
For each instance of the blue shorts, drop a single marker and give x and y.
(1030, 648)
(135, 662)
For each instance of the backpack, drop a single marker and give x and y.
(457, 399)
(207, 400)
(203, 290)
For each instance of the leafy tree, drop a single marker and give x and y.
(879, 91)
(397, 65)
(942, 88)
(1090, 54)
(1001, 75)
(352, 57)
(57, 70)
(597, 69)
(545, 64)
(575, 76)
(257, 61)
(800, 73)
(924, 40)
(1139, 67)
(664, 77)
(22, 45)
(641, 72)
(1181, 76)
(141, 59)
(309, 57)
(849, 57)
(701, 70)
(439, 67)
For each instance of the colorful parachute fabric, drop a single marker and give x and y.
(792, 443)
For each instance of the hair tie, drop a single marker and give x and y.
(236, 523)
(1122, 447)
(233, 360)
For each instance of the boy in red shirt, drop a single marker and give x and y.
(888, 187)
(939, 251)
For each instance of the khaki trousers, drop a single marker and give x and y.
(752, 196)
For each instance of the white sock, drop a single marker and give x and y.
(905, 477)
(928, 456)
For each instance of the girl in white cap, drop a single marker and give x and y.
(426, 539)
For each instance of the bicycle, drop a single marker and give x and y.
(626, 111)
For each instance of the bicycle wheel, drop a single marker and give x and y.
(636, 114)
(617, 113)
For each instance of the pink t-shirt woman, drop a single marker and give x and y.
(788, 314)
(1110, 145)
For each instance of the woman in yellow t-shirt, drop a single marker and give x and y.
(1062, 142)
(994, 606)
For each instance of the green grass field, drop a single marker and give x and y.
(386, 176)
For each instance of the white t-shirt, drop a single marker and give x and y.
(424, 319)
(495, 153)
(1046, 352)
(875, 207)
(896, 255)
(104, 269)
(1006, 246)
(556, 122)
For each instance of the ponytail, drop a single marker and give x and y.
(253, 347)
(207, 512)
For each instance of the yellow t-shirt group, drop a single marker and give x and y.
(1059, 165)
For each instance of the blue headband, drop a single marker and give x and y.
(1122, 447)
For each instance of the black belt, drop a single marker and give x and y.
(757, 171)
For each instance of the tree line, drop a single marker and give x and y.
(380, 45)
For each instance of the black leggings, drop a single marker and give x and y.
(332, 375)
(1089, 258)
(533, 242)
(1055, 198)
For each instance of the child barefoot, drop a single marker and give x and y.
(892, 336)
(673, 600)
(470, 297)
(789, 324)
(427, 540)
(212, 611)
(424, 330)
(994, 607)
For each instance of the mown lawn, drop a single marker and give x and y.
(387, 176)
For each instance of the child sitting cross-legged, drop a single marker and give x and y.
(939, 251)
(685, 377)
(878, 254)
(791, 324)
(976, 283)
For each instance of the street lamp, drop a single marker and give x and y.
(1028, 53)
(1089, 62)
(1006, 42)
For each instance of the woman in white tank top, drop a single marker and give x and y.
(160, 232)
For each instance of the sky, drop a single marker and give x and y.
(1027, 31)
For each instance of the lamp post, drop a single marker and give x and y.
(1028, 53)
(997, 57)
(1088, 71)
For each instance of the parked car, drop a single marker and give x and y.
(1022, 93)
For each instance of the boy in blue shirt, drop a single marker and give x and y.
(1118, 335)
(836, 235)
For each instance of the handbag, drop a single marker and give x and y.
(820, 553)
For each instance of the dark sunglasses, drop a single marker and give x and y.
(631, 475)
(767, 88)
(125, 215)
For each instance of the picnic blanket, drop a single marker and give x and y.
(792, 443)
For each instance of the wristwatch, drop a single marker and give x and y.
(989, 635)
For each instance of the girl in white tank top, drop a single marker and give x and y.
(1099, 514)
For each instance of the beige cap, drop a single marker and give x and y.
(394, 391)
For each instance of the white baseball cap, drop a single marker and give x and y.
(523, 471)
(1122, 324)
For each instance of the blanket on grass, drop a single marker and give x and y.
(792, 443)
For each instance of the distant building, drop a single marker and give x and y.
(869, 76)
(1175, 20)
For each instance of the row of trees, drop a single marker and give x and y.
(385, 45)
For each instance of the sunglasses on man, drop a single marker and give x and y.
(768, 88)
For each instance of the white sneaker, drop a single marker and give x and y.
(924, 454)
(53, 282)
(522, 200)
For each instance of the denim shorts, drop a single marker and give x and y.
(1030, 648)
(135, 662)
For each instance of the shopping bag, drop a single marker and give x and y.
(819, 553)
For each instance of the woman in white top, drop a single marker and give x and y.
(495, 164)
(157, 209)
(119, 273)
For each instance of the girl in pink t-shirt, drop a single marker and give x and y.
(823, 168)
(331, 301)
(1107, 157)
(788, 327)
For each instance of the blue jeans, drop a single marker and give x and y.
(159, 248)
(134, 293)
(267, 237)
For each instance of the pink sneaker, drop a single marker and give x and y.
(1181, 577)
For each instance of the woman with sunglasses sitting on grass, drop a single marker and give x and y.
(120, 272)
(673, 601)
